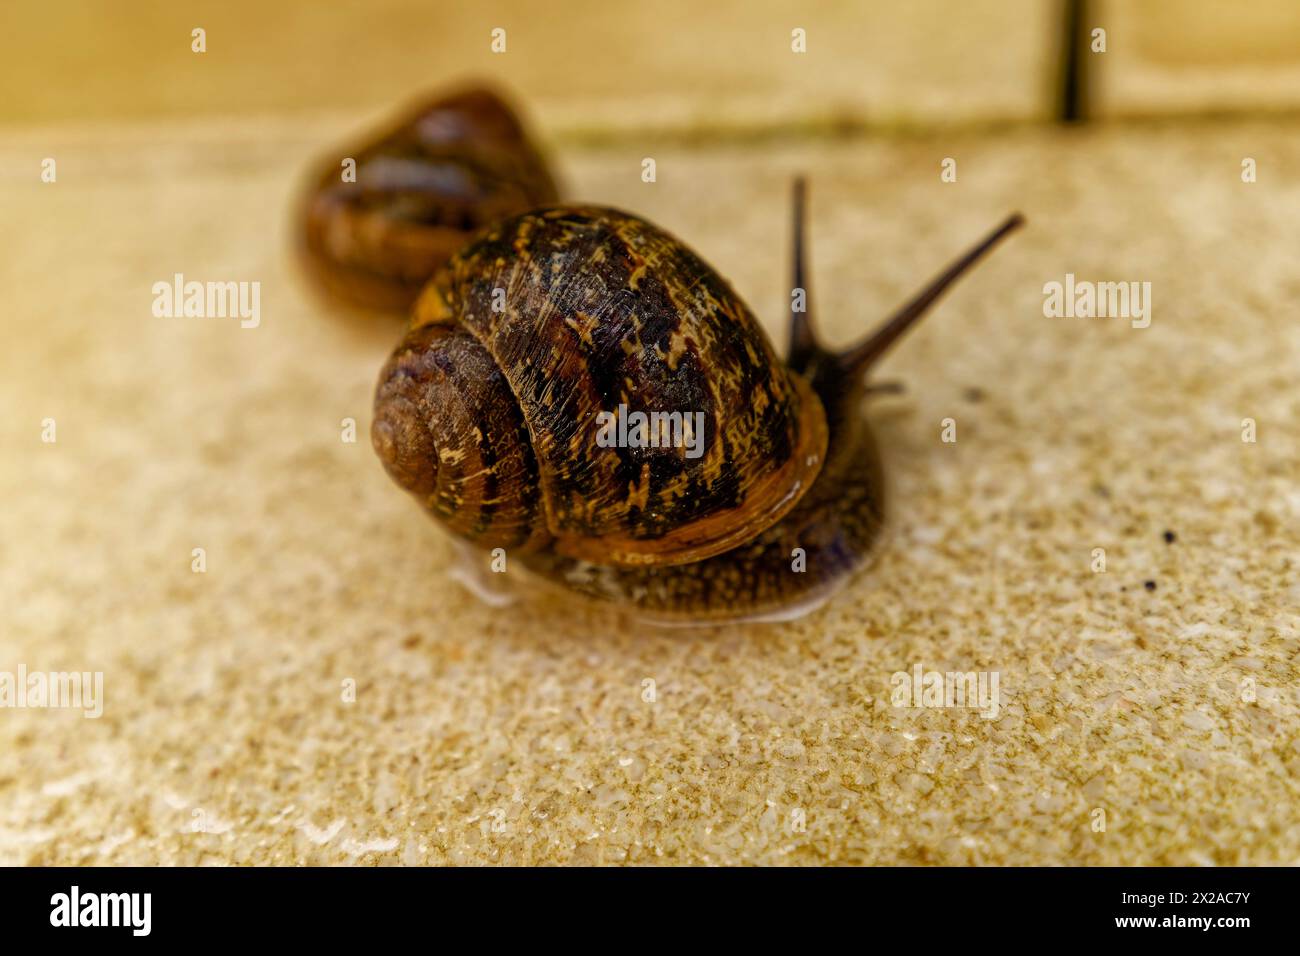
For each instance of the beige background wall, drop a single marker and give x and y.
(690, 68)
(592, 67)
(1178, 56)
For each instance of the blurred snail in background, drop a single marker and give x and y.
(374, 233)
(739, 486)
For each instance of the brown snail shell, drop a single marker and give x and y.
(486, 413)
(565, 313)
(424, 185)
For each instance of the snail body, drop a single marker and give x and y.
(489, 412)
(830, 531)
(418, 190)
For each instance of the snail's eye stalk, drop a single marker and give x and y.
(803, 336)
(806, 352)
(860, 357)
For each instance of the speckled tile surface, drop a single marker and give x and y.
(523, 735)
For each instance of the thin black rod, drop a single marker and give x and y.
(1074, 66)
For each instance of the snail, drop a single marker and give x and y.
(418, 191)
(490, 412)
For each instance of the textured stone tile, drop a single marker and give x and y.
(521, 735)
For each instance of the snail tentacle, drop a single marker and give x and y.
(804, 344)
(859, 358)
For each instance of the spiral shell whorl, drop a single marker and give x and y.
(448, 430)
